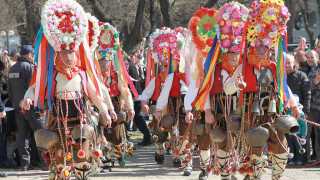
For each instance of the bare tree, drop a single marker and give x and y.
(165, 6)
(99, 10)
(136, 33)
(210, 3)
(304, 10)
(291, 4)
(33, 15)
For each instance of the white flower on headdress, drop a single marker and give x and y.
(225, 16)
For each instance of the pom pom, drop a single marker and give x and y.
(302, 150)
(60, 152)
(52, 176)
(97, 152)
(64, 173)
(69, 156)
(290, 155)
(303, 141)
(81, 154)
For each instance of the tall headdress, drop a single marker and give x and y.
(160, 46)
(267, 22)
(109, 48)
(231, 22)
(64, 26)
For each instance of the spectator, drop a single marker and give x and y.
(301, 58)
(312, 62)
(314, 78)
(15, 57)
(8, 124)
(19, 78)
(138, 119)
(299, 84)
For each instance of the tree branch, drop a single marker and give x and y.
(164, 7)
(98, 10)
(210, 3)
(306, 22)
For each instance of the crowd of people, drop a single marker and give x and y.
(229, 91)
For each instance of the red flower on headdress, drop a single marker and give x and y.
(211, 12)
(207, 26)
(63, 46)
(59, 14)
(268, 28)
(199, 13)
(66, 25)
(209, 41)
(72, 45)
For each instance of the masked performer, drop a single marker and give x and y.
(114, 78)
(261, 91)
(195, 56)
(66, 83)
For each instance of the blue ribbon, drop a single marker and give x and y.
(38, 41)
(50, 75)
(170, 65)
(285, 84)
(208, 61)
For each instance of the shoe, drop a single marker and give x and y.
(290, 164)
(145, 142)
(169, 151)
(3, 174)
(27, 167)
(159, 159)
(310, 161)
(176, 163)
(187, 172)
(203, 175)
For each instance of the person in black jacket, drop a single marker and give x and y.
(312, 62)
(19, 78)
(138, 119)
(299, 84)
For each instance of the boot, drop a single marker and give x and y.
(256, 167)
(159, 157)
(204, 163)
(279, 162)
(82, 170)
(186, 159)
(223, 159)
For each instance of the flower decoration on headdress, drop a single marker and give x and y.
(267, 22)
(231, 22)
(64, 23)
(177, 38)
(108, 41)
(302, 44)
(202, 27)
(160, 45)
(93, 31)
(139, 54)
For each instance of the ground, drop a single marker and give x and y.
(143, 166)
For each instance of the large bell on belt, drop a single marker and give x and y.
(255, 108)
(87, 132)
(122, 117)
(218, 135)
(167, 121)
(257, 136)
(153, 110)
(286, 124)
(272, 109)
(235, 122)
(199, 129)
(45, 138)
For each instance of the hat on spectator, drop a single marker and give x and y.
(26, 49)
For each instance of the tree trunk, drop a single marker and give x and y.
(98, 10)
(136, 33)
(304, 12)
(164, 7)
(291, 4)
(210, 3)
(33, 17)
(152, 16)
